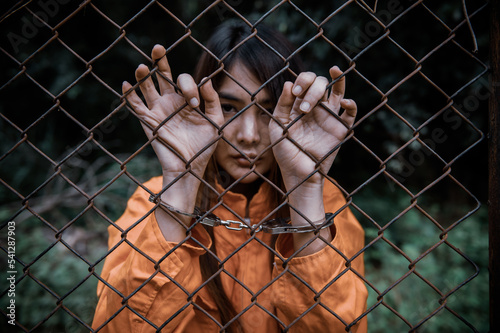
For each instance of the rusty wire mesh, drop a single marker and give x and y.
(82, 174)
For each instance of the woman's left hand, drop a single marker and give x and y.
(317, 133)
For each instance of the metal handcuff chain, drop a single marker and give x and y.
(274, 226)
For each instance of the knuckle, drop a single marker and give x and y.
(185, 81)
(323, 80)
(307, 77)
(310, 76)
(183, 78)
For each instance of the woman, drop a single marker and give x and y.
(223, 152)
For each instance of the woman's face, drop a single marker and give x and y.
(248, 132)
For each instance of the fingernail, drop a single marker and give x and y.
(297, 90)
(126, 87)
(194, 102)
(305, 106)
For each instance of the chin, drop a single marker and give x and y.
(250, 178)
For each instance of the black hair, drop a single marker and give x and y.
(264, 51)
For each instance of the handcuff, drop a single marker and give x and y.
(274, 226)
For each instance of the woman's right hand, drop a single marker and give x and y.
(187, 132)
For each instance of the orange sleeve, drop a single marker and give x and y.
(321, 292)
(139, 269)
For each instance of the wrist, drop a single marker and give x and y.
(305, 193)
(180, 191)
(306, 204)
(304, 183)
(179, 195)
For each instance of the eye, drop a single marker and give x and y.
(266, 114)
(228, 108)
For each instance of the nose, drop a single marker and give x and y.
(248, 132)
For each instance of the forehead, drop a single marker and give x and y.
(244, 83)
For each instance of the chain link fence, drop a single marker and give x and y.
(413, 172)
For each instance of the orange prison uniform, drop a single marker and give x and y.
(140, 292)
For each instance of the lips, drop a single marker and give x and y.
(242, 161)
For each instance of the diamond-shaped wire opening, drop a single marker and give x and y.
(427, 101)
(354, 37)
(57, 193)
(418, 45)
(397, 128)
(37, 159)
(381, 255)
(413, 233)
(378, 203)
(450, 82)
(60, 279)
(383, 54)
(448, 282)
(85, 235)
(351, 154)
(155, 21)
(86, 28)
(415, 167)
(55, 79)
(82, 98)
(453, 126)
(464, 203)
(21, 83)
(391, 318)
(25, 33)
(105, 66)
(409, 292)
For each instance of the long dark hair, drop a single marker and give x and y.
(267, 56)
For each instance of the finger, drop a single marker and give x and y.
(147, 86)
(189, 89)
(314, 94)
(302, 83)
(285, 104)
(325, 96)
(133, 99)
(349, 114)
(164, 72)
(212, 103)
(338, 88)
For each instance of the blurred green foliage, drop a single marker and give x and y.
(59, 134)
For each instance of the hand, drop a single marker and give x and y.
(317, 133)
(187, 132)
